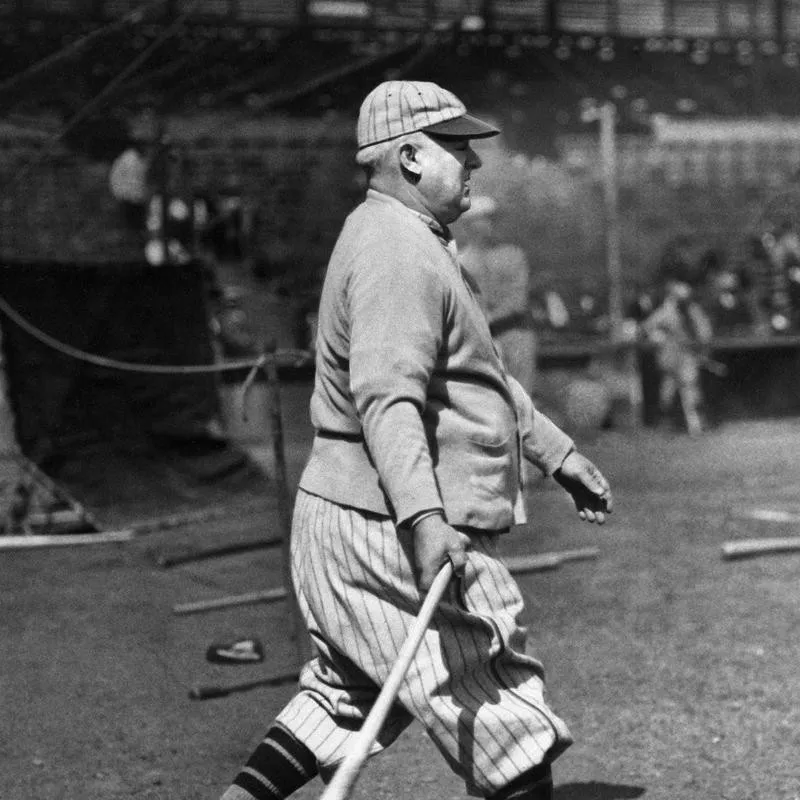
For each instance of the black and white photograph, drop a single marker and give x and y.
(399, 399)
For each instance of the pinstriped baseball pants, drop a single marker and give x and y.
(478, 696)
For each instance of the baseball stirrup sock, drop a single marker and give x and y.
(279, 766)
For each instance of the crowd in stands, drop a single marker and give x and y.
(754, 292)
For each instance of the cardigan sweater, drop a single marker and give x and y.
(412, 407)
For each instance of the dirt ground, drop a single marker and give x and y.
(676, 670)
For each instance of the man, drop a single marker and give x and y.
(502, 274)
(681, 331)
(416, 460)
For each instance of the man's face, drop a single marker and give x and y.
(445, 169)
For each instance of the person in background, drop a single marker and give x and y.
(129, 182)
(724, 298)
(232, 330)
(501, 274)
(548, 308)
(681, 332)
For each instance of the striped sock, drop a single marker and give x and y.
(279, 766)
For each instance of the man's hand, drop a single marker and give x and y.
(589, 489)
(434, 543)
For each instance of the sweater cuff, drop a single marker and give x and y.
(421, 515)
(549, 445)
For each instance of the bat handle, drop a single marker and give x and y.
(207, 692)
(345, 777)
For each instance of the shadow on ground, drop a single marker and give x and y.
(597, 791)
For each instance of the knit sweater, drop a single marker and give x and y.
(412, 407)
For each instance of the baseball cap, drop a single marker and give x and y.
(394, 108)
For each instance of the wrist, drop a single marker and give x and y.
(423, 515)
(563, 460)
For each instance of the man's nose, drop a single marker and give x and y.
(473, 160)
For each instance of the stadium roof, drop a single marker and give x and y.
(778, 19)
(537, 84)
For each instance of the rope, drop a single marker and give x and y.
(282, 356)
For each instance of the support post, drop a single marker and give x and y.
(608, 150)
(302, 13)
(779, 26)
(551, 11)
(285, 503)
(669, 18)
(607, 116)
(487, 12)
(612, 18)
(723, 28)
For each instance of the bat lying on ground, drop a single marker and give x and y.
(746, 548)
(210, 692)
(516, 565)
(30, 541)
(381, 707)
(542, 561)
(188, 556)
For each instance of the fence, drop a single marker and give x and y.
(57, 206)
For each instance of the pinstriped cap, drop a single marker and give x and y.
(394, 108)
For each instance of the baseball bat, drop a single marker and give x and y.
(264, 596)
(29, 541)
(176, 559)
(545, 561)
(757, 547)
(211, 692)
(346, 775)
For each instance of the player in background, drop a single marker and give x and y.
(681, 331)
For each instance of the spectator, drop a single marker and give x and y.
(502, 275)
(724, 297)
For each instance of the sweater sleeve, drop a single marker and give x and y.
(396, 307)
(544, 444)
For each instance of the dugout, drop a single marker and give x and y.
(74, 265)
(126, 443)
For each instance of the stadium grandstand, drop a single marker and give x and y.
(267, 91)
(255, 102)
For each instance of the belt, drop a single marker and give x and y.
(342, 436)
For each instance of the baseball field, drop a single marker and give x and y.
(677, 669)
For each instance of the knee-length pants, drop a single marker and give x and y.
(471, 686)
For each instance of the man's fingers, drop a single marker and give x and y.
(458, 555)
(595, 481)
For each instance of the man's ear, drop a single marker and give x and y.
(408, 160)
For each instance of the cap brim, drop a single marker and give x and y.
(463, 127)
